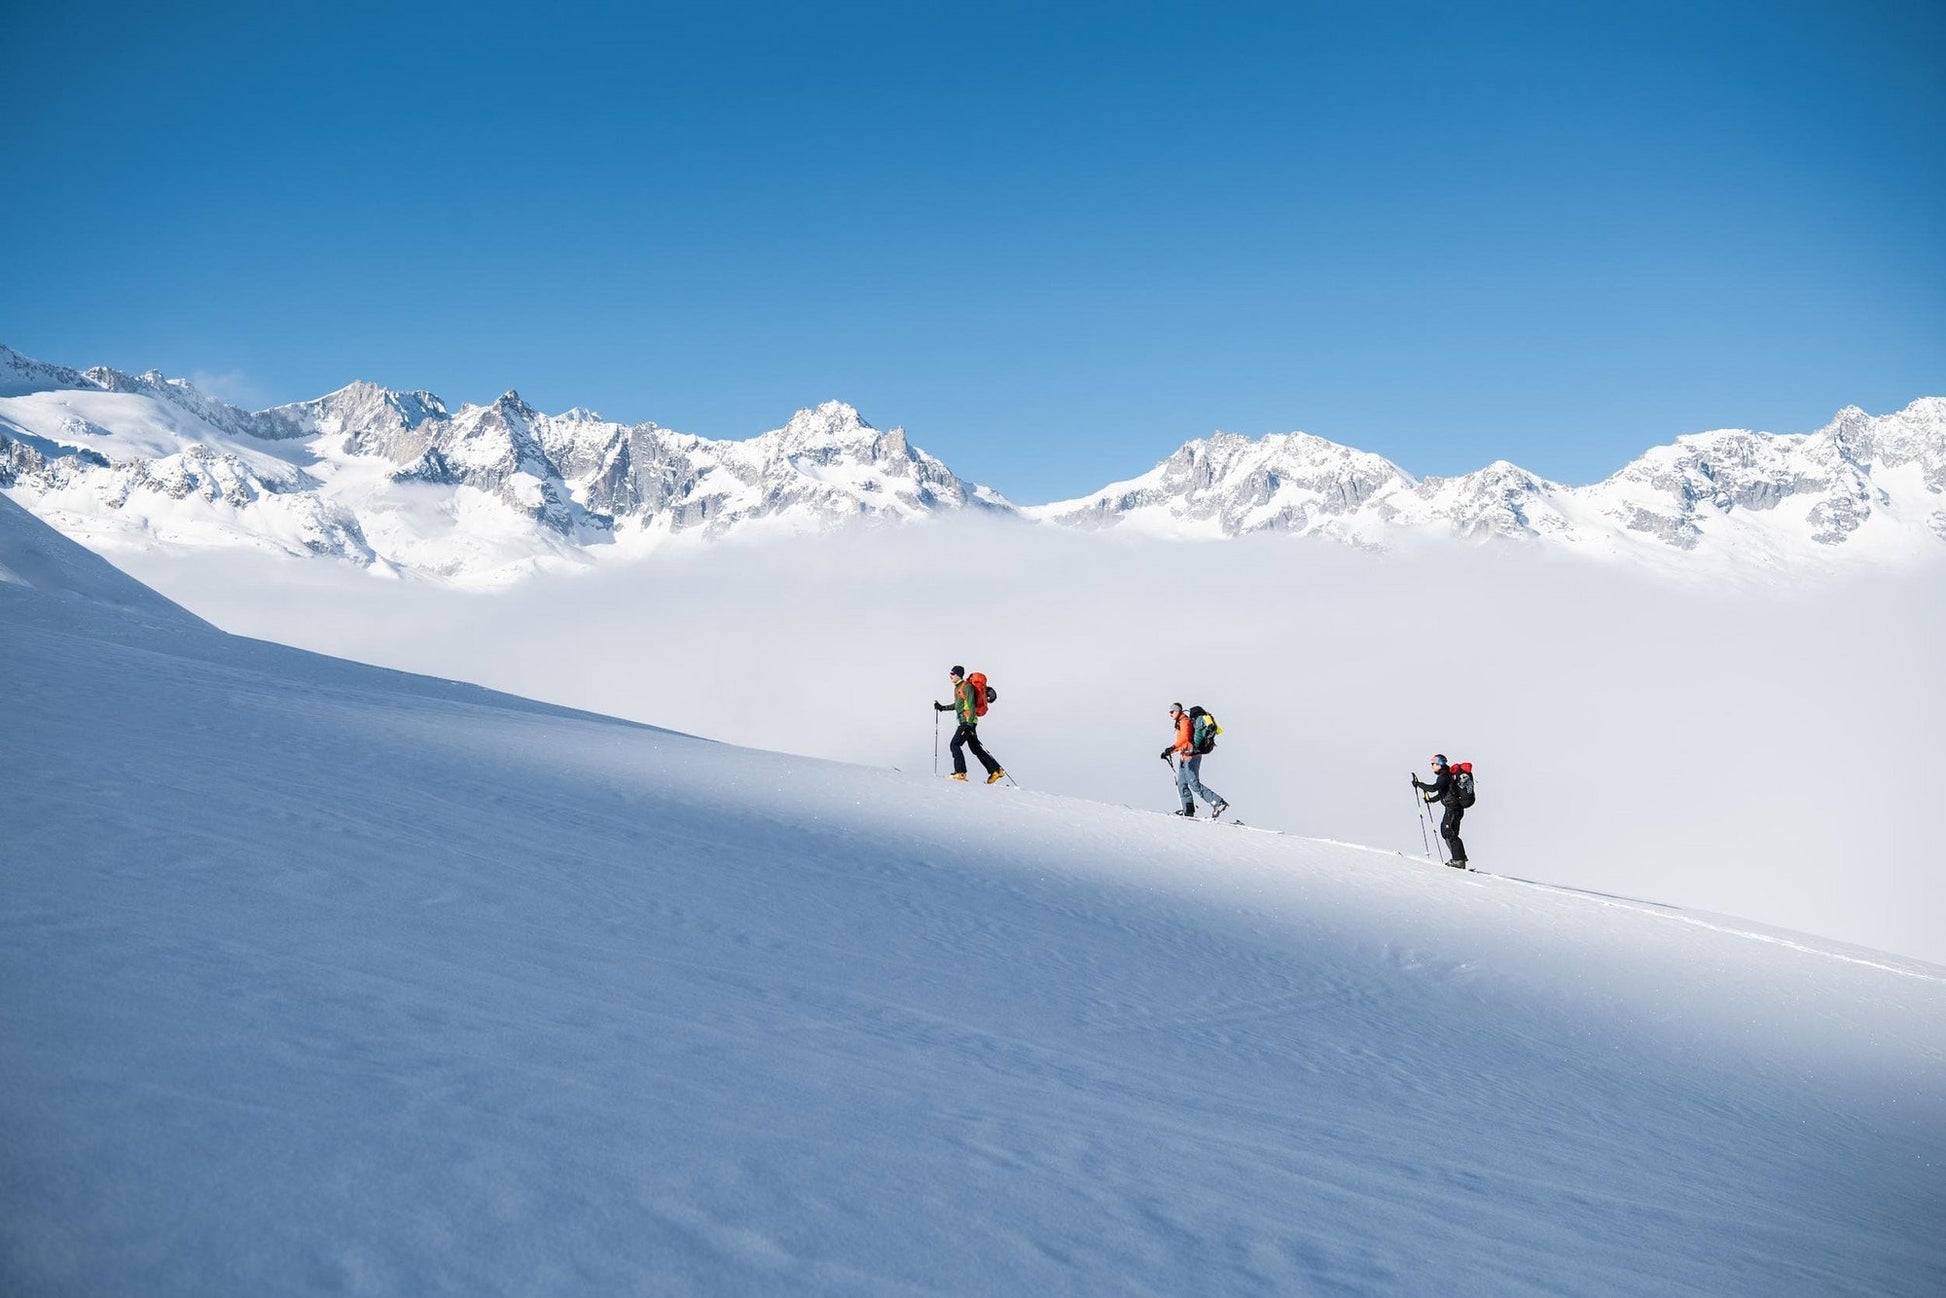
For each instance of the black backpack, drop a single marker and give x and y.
(1463, 783)
(1202, 735)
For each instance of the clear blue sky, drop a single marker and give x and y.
(1054, 242)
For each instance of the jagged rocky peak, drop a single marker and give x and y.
(1223, 457)
(108, 380)
(834, 430)
(1506, 475)
(1500, 500)
(510, 404)
(372, 420)
(152, 382)
(1914, 435)
(361, 407)
(1230, 484)
(1732, 468)
(23, 374)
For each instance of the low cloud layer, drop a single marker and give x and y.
(1762, 752)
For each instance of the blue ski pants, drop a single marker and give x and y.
(1189, 779)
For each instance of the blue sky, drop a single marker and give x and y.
(1053, 242)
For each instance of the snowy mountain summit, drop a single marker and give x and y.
(1229, 485)
(396, 481)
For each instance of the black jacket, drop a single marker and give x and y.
(1441, 790)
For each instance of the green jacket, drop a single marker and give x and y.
(963, 704)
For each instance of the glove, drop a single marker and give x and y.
(1416, 784)
(941, 707)
(1166, 752)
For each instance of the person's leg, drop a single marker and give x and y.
(1449, 830)
(979, 750)
(1194, 767)
(1182, 785)
(960, 736)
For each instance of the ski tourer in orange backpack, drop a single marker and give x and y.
(971, 697)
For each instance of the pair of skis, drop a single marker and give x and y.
(1212, 819)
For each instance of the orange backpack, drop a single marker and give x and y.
(983, 693)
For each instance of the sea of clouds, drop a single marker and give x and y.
(1752, 747)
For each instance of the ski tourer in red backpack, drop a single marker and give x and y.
(1452, 788)
(970, 699)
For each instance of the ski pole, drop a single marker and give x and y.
(935, 741)
(1425, 840)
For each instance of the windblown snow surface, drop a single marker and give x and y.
(316, 977)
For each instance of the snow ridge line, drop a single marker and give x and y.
(1664, 910)
(1669, 912)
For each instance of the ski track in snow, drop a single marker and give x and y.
(1720, 924)
(319, 977)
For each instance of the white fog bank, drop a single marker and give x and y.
(1762, 751)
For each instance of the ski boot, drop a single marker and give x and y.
(996, 777)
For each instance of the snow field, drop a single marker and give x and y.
(318, 977)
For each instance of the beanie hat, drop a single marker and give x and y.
(1440, 758)
(957, 670)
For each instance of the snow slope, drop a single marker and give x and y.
(318, 977)
(33, 556)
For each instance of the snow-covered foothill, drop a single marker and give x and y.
(320, 977)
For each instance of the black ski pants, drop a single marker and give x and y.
(968, 736)
(1449, 830)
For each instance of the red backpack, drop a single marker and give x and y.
(983, 693)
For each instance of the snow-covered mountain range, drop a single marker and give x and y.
(396, 481)
(1879, 481)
